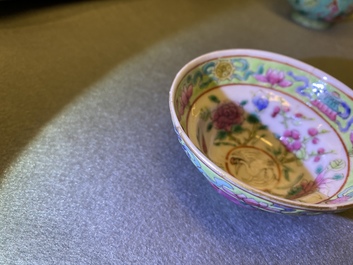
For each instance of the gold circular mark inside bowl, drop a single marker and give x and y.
(254, 167)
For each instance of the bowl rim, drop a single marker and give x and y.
(261, 54)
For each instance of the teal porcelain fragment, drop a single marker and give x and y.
(320, 14)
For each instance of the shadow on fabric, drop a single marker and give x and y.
(50, 53)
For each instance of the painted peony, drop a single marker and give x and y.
(226, 115)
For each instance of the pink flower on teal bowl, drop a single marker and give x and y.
(320, 14)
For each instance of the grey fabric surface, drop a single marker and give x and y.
(91, 169)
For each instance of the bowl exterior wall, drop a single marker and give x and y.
(237, 195)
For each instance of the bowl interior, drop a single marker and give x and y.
(272, 123)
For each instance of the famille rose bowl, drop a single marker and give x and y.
(267, 131)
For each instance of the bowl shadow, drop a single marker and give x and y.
(244, 229)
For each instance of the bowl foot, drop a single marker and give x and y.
(308, 22)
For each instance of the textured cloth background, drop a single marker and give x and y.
(91, 171)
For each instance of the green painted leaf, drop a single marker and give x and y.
(337, 164)
(301, 154)
(209, 126)
(252, 118)
(286, 174)
(214, 99)
(296, 122)
(260, 69)
(243, 103)
(205, 114)
(324, 131)
(263, 127)
(205, 84)
(295, 191)
(277, 152)
(221, 135)
(237, 129)
(207, 68)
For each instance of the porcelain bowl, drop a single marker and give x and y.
(267, 131)
(320, 14)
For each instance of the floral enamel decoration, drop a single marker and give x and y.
(242, 130)
(261, 102)
(267, 127)
(320, 182)
(224, 70)
(274, 77)
(184, 98)
(226, 116)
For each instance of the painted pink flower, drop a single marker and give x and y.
(274, 77)
(285, 142)
(317, 158)
(184, 100)
(226, 115)
(242, 200)
(291, 140)
(295, 134)
(351, 137)
(321, 151)
(313, 131)
(256, 204)
(307, 187)
(287, 133)
(275, 111)
(315, 140)
(296, 145)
